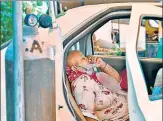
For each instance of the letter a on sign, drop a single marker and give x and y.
(36, 46)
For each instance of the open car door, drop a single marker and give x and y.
(140, 106)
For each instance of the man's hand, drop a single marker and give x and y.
(98, 61)
(105, 68)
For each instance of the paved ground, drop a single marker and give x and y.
(3, 91)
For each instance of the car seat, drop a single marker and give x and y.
(73, 102)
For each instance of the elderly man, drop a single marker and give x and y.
(95, 100)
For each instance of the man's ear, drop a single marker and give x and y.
(71, 62)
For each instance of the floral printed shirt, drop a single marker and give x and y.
(94, 100)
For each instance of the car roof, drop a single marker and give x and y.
(76, 17)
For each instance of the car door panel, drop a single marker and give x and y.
(150, 69)
(133, 65)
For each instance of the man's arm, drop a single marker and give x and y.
(90, 119)
(105, 67)
(110, 71)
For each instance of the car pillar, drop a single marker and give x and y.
(30, 71)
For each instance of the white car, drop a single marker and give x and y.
(48, 95)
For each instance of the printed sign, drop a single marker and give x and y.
(39, 46)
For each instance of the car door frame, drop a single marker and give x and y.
(89, 29)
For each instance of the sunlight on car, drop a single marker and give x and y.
(153, 23)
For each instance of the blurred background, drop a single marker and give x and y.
(40, 7)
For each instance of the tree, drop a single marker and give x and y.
(39, 8)
(6, 21)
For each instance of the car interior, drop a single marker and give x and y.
(150, 66)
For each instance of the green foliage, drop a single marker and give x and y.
(6, 21)
(6, 16)
(115, 51)
(37, 7)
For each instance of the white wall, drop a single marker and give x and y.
(3, 86)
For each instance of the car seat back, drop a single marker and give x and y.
(73, 102)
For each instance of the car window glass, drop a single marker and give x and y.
(151, 56)
(153, 37)
(76, 46)
(110, 38)
(153, 23)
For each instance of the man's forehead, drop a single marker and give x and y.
(77, 54)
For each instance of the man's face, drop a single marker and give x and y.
(81, 60)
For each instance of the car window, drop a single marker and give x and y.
(151, 55)
(76, 46)
(110, 38)
(80, 45)
(152, 31)
(153, 23)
